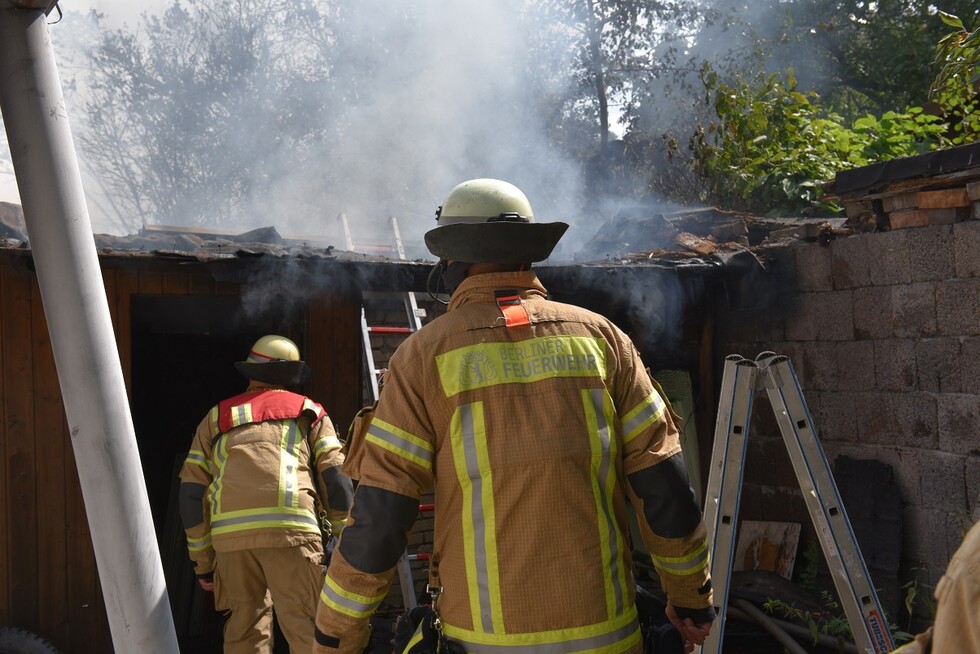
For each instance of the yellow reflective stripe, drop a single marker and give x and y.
(688, 564)
(524, 362)
(415, 639)
(324, 443)
(644, 414)
(215, 420)
(241, 414)
(400, 442)
(196, 457)
(599, 418)
(346, 602)
(220, 459)
(617, 635)
(199, 544)
(289, 461)
(471, 460)
(264, 518)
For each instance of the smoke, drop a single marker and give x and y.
(419, 96)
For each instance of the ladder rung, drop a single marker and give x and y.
(390, 330)
(420, 556)
(427, 507)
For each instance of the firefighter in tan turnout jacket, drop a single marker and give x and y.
(534, 421)
(249, 501)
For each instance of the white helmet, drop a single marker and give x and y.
(489, 220)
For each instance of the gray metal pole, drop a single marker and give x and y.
(89, 372)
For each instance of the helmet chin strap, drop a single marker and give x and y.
(451, 274)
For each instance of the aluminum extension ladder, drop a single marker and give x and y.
(415, 314)
(774, 373)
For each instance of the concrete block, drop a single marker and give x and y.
(851, 261)
(855, 365)
(958, 307)
(890, 258)
(872, 312)
(817, 361)
(958, 423)
(895, 365)
(969, 366)
(898, 419)
(966, 248)
(834, 416)
(801, 324)
(930, 253)
(914, 310)
(939, 364)
(941, 479)
(813, 267)
(972, 474)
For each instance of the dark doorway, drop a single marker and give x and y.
(183, 352)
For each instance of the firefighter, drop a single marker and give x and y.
(533, 421)
(255, 522)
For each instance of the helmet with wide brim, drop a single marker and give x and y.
(274, 359)
(490, 220)
(498, 242)
(280, 373)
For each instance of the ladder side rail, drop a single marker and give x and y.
(723, 496)
(369, 354)
(837, 540)
(411, 304)
(348, 241)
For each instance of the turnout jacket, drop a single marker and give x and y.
(248, 479)
(534, 420)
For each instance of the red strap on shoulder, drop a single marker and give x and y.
(512, 306)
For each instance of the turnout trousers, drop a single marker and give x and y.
(248, 583)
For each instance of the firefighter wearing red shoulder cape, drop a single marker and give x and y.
(250, 505)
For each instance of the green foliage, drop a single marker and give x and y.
(917, 593)
(956, 89)
(807, 574)
(830, 622)
(770, 145)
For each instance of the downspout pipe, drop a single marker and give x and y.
(89, 371)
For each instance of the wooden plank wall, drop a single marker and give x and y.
(49, 583)
(333, 349)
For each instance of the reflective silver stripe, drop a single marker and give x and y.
(479, 519)
(656, 405)
(271, 516)
(197, 458)
(686, 566)
(585, 644)
(605, 469)
(401, 443)
(356, 607)
(290, 463)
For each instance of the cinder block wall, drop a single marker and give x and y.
(884, 333)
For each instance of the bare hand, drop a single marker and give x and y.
(692, 634)
(206, 585)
